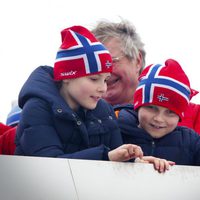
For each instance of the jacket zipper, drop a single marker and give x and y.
(152, 147)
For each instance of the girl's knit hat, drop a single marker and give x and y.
(80, 54)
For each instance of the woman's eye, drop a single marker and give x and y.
(106, 80)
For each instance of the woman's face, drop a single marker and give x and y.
(124, 78)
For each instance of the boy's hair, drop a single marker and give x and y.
(131, 43)
(164, 85)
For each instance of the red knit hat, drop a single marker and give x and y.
(166, 86)
(80, 54)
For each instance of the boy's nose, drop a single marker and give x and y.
(158, 117)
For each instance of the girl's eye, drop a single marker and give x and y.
(93, 78)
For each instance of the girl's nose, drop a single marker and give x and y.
(102, 87)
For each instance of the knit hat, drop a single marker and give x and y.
(80, 54)
(14, 115)
(164, 85)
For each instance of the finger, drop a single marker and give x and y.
(171, 163)
(162, 165)
(166, 163)
(131, 151)
(125, 155)
(156, 164)
(140, 160)
(138, 152)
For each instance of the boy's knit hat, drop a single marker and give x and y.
(14, 115)
(164, 85)
(80, 54)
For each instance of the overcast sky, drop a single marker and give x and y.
(30, 34)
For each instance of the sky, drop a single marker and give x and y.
(30, 34)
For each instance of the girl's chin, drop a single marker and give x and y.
(91, 106)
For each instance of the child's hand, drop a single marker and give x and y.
(161, 165)
(125, 152)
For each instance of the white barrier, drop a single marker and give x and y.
(32, 178)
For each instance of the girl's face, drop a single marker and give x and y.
(84, 91)
(157, 120)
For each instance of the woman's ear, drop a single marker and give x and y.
(139, 63)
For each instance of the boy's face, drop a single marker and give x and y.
(84, 91)
(157, 120)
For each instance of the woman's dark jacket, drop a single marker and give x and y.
(48, 127)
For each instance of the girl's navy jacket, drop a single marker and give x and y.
(49, 127)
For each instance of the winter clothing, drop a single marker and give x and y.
(181, 146)
(192, 117)
(7, 137)
(49, 127)
(7, 145)
(14, 115)
(4, 128)
(80, 54)
(164, 85)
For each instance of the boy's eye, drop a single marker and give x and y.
(151, 107)
(171, 112)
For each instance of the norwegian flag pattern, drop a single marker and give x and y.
(153, 79)
(91, 56)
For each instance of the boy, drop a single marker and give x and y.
(160, 100)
